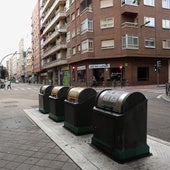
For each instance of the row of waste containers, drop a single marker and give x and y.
(117, 119)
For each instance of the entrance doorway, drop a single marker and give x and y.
(99, 75)
(117, 75)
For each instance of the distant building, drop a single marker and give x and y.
(29, 66)
(36, 42)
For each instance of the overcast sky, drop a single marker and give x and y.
(15, 19)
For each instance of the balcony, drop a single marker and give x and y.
(45, 5)
(88, 9)
(54, 63)
(52, 50)
(59, 14)
(54, 35)
(129, 25)
(56, 3)
(129, 8)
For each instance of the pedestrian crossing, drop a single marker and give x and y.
(36, 89)
(26, 89)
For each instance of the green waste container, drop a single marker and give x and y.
(44, 94)
(56, 102)
(120, 124)
(78, 110)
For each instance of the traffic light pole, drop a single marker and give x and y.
(158, 78)
(158, 65)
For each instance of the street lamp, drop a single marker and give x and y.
(144, 24)
(5, 58)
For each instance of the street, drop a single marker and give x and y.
(25, 96)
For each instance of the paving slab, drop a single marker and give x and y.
(87, 157)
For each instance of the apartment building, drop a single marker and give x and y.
(36, 43)
(29, 66)
(53, 33)
(118, 40)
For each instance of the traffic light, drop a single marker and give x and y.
(120, 67)
(158, 63)
(155, 68)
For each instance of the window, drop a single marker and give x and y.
(150, 21)
(106, 3)
(81, 75)
(166, 24)
(74, 50)
(68, 37)
(143, 73)
(149, 2)
(107, 44)
(73, 16)
(68, 52)
(87, 26)
(87, 46)
(129, 2)
(130, 42)
(150, 43)
(78, 48)
(107, 23)
(78, 12)
(72, 1)
(78, 30)
(166, 44)
(73, 33)
(166, 4)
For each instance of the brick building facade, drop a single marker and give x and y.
(119, 38)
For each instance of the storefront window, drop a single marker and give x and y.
(143, 73)
(81, 75)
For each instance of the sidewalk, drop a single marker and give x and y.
(23, 145)
(87, 157)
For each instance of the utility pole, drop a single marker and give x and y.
(157, 69)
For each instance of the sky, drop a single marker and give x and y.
(15, 19)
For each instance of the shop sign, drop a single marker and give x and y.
(65, 68)
(96, 66)
(81, 68)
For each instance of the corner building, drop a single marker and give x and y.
(119, 38)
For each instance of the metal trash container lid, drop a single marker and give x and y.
(45, 89)
(118, 101)
(80, 94)
(59, 91)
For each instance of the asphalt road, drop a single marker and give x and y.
(25, 96)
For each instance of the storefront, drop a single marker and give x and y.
(64, 76)
(124, 72)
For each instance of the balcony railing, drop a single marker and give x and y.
(129, 25)
(51, 9)
(54, 34)
(44, 5)
(58, 46)
(88, 9)
(61, 13)
(53, 63)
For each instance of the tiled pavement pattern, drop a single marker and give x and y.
(23, 149)
(31, 149)
(24, 146)
(90, 158)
